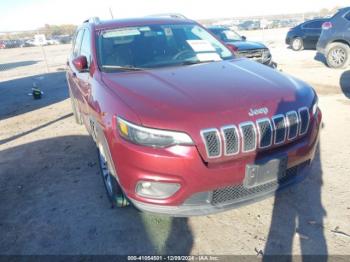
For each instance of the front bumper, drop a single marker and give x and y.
(321, 48)
(288, 40)
(322, 43)
(183, 165)
(200, 204)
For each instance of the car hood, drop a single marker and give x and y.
(247, 45)
(196, 97)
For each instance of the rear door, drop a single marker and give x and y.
(72, 72)
(312, 32)
(84, 78)
(346, 28)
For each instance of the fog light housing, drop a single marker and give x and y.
(157, 190)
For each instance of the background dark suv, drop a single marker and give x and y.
(241, 47)
(305, 35)
(334, 42)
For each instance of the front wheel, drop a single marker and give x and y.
(297, 44)
(114, 191)
(338, 55)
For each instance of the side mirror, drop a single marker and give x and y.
(232, 48)
(80, 63)
(244, 38)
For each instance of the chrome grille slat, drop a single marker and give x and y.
(279, 125)
(231, 140)
(293, 124)
(304, 120)
(212, 142)
(265, 132)
(247, 136)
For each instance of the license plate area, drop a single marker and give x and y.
(265, 172)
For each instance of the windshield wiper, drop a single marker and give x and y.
(126, 68)
(197, 62)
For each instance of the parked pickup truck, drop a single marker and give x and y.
(181, 125)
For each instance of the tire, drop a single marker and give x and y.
(76, 114)
(297, 44)
(114, 191)
(337, 55)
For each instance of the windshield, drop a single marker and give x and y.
(158, 46)
(227, 35)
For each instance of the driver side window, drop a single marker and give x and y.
(77, 43)
(85, 48)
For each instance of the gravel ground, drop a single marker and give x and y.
(52, 199)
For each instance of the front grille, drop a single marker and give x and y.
(239, 192)
(252, 54)
(212, 142)
(262, 134)
(248, 136)
(304, 119)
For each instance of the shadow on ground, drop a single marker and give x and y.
(298, 212)
(298, 215)
(54, 202)
(14, 98)
(345, 83)
(9, 66)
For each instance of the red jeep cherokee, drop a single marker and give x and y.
(183, 127)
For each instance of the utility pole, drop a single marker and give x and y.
(110, 11)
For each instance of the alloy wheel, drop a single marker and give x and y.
(337, 57)
(296, 44)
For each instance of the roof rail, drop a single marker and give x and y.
(170, 15)
(93, 20)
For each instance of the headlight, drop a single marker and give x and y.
(315, 105)
(151, 137)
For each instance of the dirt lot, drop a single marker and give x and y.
(52, 199)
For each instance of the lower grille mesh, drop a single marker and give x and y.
(239, 192)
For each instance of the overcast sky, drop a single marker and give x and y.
(31, 14)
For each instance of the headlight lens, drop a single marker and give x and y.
(151, 137)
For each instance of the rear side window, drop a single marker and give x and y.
(85, 49)
(77, 43)
(314, 25)
(347, 16)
